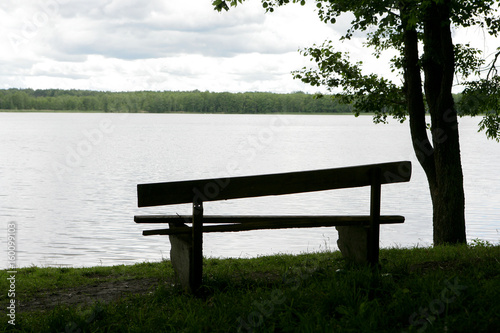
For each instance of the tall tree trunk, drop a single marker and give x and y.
(447, 191)
(441, 159)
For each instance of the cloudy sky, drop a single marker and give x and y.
(123, 45)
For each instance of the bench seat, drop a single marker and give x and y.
(256, 222)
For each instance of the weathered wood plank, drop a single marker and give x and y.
(274, 184)
(221, 219)
(280, 223)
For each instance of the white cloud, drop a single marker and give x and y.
(161, 45)
(157, 45)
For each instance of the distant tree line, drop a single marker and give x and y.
(167, 101)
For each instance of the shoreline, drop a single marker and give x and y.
(182, 112)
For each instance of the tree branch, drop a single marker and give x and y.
(493, 68)
(415, 99)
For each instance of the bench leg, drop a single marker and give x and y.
(361, 244)
(374, 230)
(186, 251)
(352, 242)
(196, 266)
(181, 254)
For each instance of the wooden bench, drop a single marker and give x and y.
(187, 241)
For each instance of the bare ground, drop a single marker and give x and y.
(105, 291)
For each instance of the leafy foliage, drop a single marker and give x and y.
(483, 97)
(468, 60)
(368, 93)
(382, 22)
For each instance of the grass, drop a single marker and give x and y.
(48, 111)
(440, 289)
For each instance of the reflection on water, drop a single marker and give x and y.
(69, 181)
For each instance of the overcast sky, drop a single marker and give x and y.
(124, 45)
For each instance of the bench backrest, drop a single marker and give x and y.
(180, 192)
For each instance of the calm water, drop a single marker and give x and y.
(68, 181)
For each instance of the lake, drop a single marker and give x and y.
(68, 181)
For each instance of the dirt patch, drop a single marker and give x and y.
(105, 292)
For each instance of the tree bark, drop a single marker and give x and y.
(440, 160)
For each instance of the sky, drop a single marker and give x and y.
(131, 45)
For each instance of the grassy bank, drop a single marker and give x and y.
(47, 111)
(442, 289)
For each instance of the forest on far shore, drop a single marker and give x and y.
(167, 101)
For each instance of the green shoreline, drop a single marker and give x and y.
(49, 111)
(445, 288)
(183, 112)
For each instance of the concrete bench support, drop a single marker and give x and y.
(353, 243)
